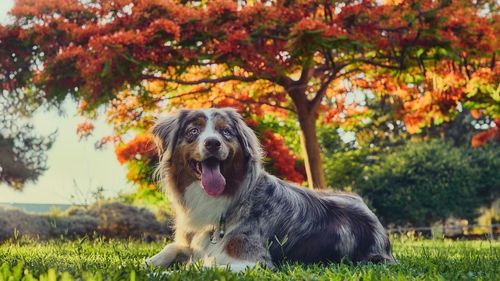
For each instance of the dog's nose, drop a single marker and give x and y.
(212, 144)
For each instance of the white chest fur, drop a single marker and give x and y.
(200, 209)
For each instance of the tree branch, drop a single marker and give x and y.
(201, 91)
(316, 101)
(297, 87)
(305, 75)
(166, 97)
(263, 103)
(201, 81)
(378, 64)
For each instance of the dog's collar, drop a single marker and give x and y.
(221, 230)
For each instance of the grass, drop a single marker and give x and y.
(124, 260)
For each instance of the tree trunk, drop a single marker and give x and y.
(307, 114)
(311, 150)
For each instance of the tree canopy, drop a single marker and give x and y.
(424, 60)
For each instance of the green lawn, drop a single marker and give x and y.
(123, 260)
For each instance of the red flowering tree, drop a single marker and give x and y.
(305, 50)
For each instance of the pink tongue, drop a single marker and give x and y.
(211, 178)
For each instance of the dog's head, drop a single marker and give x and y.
(213, 146)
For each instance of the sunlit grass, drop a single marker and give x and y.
(124, 260)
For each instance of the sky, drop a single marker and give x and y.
(76, 168)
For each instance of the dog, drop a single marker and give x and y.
(230, 212)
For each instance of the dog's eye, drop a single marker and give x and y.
(227, 133)
(192, 133)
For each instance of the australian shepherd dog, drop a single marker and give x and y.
(230, 212)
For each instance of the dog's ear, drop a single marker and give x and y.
(246, 136)
(166, 132)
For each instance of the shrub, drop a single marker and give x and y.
(109, 219)
(421, 183)
(73, 226)
(120, 220)
(487, 160)
(342, 169)
(15, 223)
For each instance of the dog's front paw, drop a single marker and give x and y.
(164, 258)
(159, 260)
(169, 255)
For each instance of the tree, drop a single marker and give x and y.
(23, 152)
(94, 49)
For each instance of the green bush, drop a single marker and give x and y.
(421, 183)
(487, 160)
(342, 162)
(342, 169)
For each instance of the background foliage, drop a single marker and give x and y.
(421, 183)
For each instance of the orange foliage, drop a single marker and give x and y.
(283, 159)
(437, 96)
(475, 113)
(84, 129)
(491, 134)
(106, 44)
(105, 140)
(142, 145)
